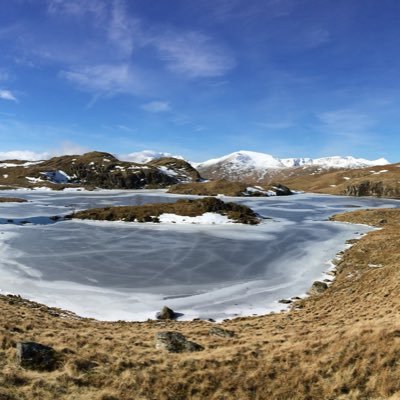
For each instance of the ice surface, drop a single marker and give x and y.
(118, 270)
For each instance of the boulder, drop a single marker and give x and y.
(166, 313)
(282, 190)
(215, 331)
(175, 342)
(36, 356)
(285, 301)
(318, 287)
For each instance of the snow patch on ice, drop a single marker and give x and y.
(208, 218)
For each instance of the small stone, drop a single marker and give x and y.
(166, 313)
(318, 288)
(215, 331)
(175, 342)
(285, 301)
(36, 356)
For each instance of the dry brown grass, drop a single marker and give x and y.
(190, 208)
(341, 345)
(386, 184)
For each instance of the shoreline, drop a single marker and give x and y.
(338, 345)
(242, 310)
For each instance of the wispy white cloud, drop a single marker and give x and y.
(77, 8)
(156, 106)
(65, 148)
(122, 28)
(316, 37)
(193, 54)
(7, 95)
(346, 122)
(4, 75)
(70, 148)
(107, 79)
(346, 131)
(126, 128)
(275, 125)
(23, 155)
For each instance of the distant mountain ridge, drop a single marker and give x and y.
(145, 156)
(250, 165)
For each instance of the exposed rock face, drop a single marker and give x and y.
(183, 170)
(166, 313)
(318, 288)
(175, 342)
(36, 356)
(368, 188)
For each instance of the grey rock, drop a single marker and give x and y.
(166, 313)
(285, 301)
(175, 342)
(282, 190)
(36, 356)
(215, 331)
(318, 288)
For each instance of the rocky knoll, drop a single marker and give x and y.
(378, 181)
(190, 208)
(377, 189)
(96, 169)
(229, 188)
(12, 200)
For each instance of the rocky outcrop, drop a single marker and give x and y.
(175, 342)
(98, 169)
(369, 188)
(317, 287)
(36, 356)
(281, 190)
(228, 188)
(182, 170)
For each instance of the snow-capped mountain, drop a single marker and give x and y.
(245, 159)
(257, 166)
(145, 156)
(334, 162)
(239, 164)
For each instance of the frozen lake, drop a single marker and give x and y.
(116, 270)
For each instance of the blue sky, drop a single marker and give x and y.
(201, 78)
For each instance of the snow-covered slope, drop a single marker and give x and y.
(143, 157)
(334, 162)
(242, 159)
